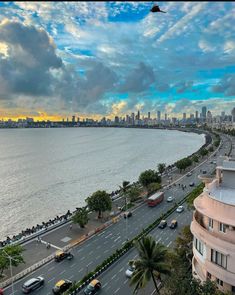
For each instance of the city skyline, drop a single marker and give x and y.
(107, 59)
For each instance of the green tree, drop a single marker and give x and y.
(211, 149)
(183, 163)
(152, 263)
(203, 152)
(195, 158)
(161, 167)
(100, 202)
(153, 187)
(81, 217)
(134, 193)
(149, 176)
(15, 252)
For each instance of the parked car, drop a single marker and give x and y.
(173, 224)
(61, 286)
(180, 209)
(162, 224)
(127, 214)
(60, 255)
(191, 184)
(32, 284)
(189, 174)
(92, 288)
(169, 199)
(130, 270)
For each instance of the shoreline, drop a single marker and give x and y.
(28, 233)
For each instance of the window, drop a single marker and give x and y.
(222, 227)
(210, 223)
(219, 258)
(199, 246)
(219, 282)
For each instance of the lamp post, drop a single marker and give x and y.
(10, 259)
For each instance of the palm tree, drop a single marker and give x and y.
(123, 188)
(151, 263)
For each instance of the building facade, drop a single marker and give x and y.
(213, 229)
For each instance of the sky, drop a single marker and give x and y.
(96, 59)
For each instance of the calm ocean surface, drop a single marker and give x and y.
(45, 172)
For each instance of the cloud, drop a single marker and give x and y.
(139, 79)
(226, 85)
(30, 56)
(183, 86)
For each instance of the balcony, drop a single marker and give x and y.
(224, 241)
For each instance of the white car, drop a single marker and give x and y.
(170, 199)
(130, 270)
(180, 209)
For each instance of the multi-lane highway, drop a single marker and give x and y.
(93, 251)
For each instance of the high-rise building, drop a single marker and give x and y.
(196, 115)
(149, 115)
(73, 119)
(165, 117)
(158, 116)
(233, 115)
(138, 115)
(213, 229)
(184, 116)
(132, 118)
(116, 119)
(209, 117)
(204, 113)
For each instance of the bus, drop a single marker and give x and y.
(155, 199)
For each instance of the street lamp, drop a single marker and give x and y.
(10, 259)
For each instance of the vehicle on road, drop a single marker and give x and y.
(1, 291)
(130, 270)
(92, 288)
(155, 199)
(203, 171)
(170, 199)
(127, 214)
(191, 184)
(61, 286)
(162, 224)
(173, 224)
(32, 284)
(180, 209)
(189, 174)
(60, 255)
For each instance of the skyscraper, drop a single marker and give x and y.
(204, 113)
(138, 115)
(233, 115)
(149, 115)
(158, 116)
(165, 117)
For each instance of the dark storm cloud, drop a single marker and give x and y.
(226, 85)
(139, 79)
(30, 57)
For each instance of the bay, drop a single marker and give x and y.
(45, 172)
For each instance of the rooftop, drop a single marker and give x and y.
(223, 194)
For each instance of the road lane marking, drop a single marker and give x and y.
(81, 269)
(62, 272)
(83, 258)
(98, 257)
(70, 278)
(121, 269)
(51, 268)
(125, 281)
(117, 239)
(51, 280)
(89, 263)
(113, 276)
(91, 252)
(105, 285)
(117, 290)
(72, 265)
(106, 251)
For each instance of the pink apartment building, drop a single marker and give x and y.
(213, 228)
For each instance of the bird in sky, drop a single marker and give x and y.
(156, 8)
